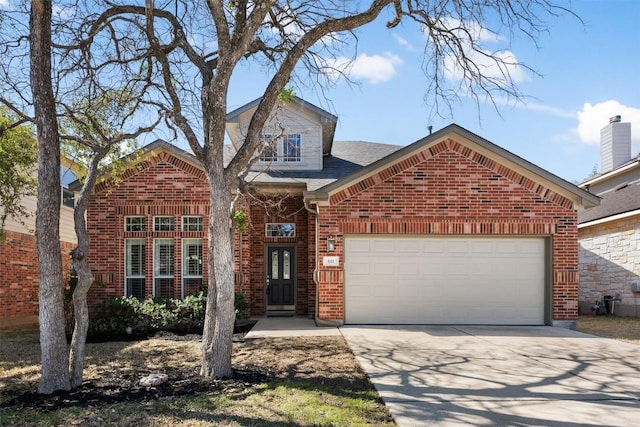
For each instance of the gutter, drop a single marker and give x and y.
(319, 322)
(609, 218)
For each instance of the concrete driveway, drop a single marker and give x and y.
(518, 376)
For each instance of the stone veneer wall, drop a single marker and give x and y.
(609, 262)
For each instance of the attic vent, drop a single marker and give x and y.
(621, 186)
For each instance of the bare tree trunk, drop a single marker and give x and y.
(53, 345)
(217, 340)
(80, 262)
(80, 309)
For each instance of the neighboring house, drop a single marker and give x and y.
(609, 234)
(450, 229)
(19, 273)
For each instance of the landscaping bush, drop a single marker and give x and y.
(130, 316)
(241, 305)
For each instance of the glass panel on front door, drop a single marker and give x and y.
(286, 264)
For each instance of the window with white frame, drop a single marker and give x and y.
(163, 223)
(191, 267)
(135, 268)
(280, 230)
(291, 148)
(270, 149)
(163, 268)
(288, 148)
(135, 223)
(192, 223)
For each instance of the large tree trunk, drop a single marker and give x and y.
(53, 345)
(81, 312)
(80, 263)
(217, 340)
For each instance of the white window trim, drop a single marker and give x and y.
(193, 216)
(155, 269)
(144, 223)
(278, 146)
(186, 241)
(164, 216)
(126, 263)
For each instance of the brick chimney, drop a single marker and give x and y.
(615, 144)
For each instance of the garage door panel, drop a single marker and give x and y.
(479, 280)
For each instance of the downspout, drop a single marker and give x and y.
(319, 322)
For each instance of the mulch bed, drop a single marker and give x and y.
(123, 389)
(114, 387)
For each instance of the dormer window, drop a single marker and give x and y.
(287, 148)
(291, 148)
(270, 153)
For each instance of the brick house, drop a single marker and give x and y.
(450, 229)
(19, 274)
(609, 234)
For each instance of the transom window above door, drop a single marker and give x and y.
(280, 230)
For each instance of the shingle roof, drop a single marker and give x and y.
(346, 157)
(625, 199)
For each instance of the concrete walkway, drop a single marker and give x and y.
(507, 376)
(289, 327)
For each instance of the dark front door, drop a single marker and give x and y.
(280, 264)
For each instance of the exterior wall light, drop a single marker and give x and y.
(331, 244)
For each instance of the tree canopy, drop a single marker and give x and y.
(18, 156)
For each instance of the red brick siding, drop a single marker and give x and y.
(451, 190)
(162, 186)
(288, 209)
(19, 275)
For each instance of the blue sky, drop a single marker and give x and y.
(590, 72)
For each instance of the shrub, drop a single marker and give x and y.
(241, 305)
(186, 315)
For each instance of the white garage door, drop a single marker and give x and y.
(436, 280)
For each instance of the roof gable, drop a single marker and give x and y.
(298, 106)
(469, 145)
(153, 154)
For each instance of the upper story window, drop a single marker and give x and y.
(135, 223)
(280, 230)
(287, 148)
(291, 148)
(192, 223)
(269, 153)
(66, 178)
(163, 223)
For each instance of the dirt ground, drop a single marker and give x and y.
(114, 369)
(619, 328)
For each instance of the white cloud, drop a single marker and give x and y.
(498, 65)
(473, 30)
(505, 68)
(554, 111)
(373, 68)
(404, 43)
(594, 117)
